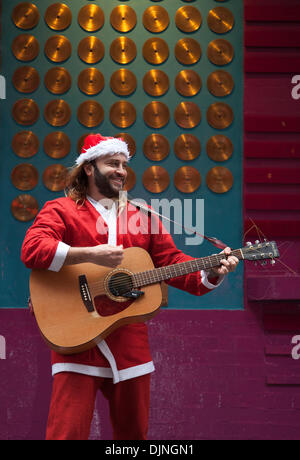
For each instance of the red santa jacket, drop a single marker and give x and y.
(125, 353)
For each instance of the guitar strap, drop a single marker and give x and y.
(214, 241)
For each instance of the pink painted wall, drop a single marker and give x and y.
(218, 375)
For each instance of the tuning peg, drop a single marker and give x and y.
(272, 262)
(257, 242)
(248, 244)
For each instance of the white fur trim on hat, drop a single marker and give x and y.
(107, 147)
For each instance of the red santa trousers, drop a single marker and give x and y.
(73, 401)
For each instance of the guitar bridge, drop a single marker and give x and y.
(85, 293)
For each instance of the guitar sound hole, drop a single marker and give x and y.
(119, 284)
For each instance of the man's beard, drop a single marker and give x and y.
(103, 185)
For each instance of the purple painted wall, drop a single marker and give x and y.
(219, 375)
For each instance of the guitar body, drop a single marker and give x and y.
(82, 304)
(62, 315)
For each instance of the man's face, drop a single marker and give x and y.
(110, 175)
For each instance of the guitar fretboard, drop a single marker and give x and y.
(172, 271)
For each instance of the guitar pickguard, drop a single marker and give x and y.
(108, 307)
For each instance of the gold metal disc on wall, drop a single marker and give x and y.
(187, 115)
(188, 83)
(123, 18)
(187, 179)
(122, 114)
(188, 19)
(91, 18)
(130, 180)
(129, 141)
(57, 112)
(156, 82)
(26, 112)
(220, 83)
(220, 20)
(188, 51)
(91, 50)
(25, 177)
(24, 208)
(58, 80)
(155, 51)
(25, 144)
(26, 79)
(156, 19)
(54, 177)
(123, 50)
(156, 179)
(91, 81)
(25, 47)
(220, 52)
(90, 114)
(220, 115)
(123, 82)
(58, 16)
(187, 147)
(156, 147)
(156, 114)
(26, 15)
(58, 48)
(219, 148)
(57, 145)
(219, 179)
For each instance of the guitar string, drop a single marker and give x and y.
(282, 245)
(287, 267)
(259, 233)
(127, 279)
(124, 276)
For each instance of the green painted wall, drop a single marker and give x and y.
(223, 212)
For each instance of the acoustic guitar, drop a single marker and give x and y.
(82, 304)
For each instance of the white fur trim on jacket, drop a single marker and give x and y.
(107, 147)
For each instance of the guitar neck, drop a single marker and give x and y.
(172, 271)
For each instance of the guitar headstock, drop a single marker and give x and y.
(261, 251)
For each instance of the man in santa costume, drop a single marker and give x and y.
(83, 227)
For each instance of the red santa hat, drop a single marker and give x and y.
(95, 146)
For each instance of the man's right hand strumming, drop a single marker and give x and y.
(103, 254)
